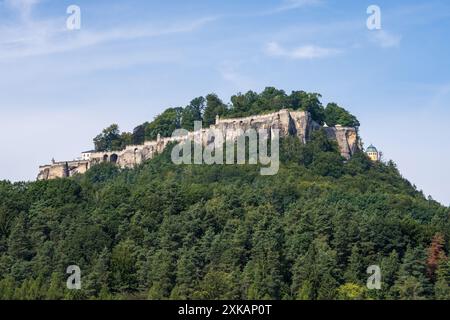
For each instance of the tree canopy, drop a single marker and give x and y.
(206, 109)
(162, 231)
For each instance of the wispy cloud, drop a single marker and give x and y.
(24, 7)
(287, 5)
(48, 37)
(295, 4)
(385, 39)
(230, 73)
(303, 52)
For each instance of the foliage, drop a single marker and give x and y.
(111, 139)
(205, 109)
(162, 231)
(335, 115)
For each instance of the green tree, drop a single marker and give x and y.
(164, 124)
(214, 107)
(355, 268)
(123, 266)
(315, 274)
(309, 102)
(55, 290)
(335, 115)
(351, 291)
(96, 282)
(412, 283)
(442, 284)
(389, 268)
(138, 136)
(162, 275)
(7, 286)
(19, 246)
(216, 285)
(109, 140)
(241, 104)
(193, 112)
(264, 272)
(187, 276)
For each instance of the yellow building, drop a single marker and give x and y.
(372, 153)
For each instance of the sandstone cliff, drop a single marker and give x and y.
(290, 123)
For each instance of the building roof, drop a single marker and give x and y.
(371, 148)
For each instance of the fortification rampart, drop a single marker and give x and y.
(289, 123)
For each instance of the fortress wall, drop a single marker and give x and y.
(62, 169)
(289, 123)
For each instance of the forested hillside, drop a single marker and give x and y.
(163, 231)
(206, 109)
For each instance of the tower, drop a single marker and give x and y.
(372, 153)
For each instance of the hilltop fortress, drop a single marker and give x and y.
(290, 123)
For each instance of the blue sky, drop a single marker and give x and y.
(132, 59)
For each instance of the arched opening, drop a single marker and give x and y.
(114, 158)
(105, 158)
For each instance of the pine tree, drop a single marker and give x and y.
(389, 269)
(412, 283)
(355, 267)
(36, 290)
(55, 290)
(315, 274)
(18, 243)
(98, 278)
(162, 275)
(7, 286)
(216, 285)
(123, 267)
(442, 285)
(264, 272)
(187, 276)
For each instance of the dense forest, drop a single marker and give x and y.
(166, 231)
(162, 231)
(206, 109)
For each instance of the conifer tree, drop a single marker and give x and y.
(354, 272)
(55, 290)
(412, 283)
(315, 275)
(18, 244)
(442, 284)
(389, 270)
(99, 277)
(7, 287)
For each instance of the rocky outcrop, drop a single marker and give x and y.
(289, 123)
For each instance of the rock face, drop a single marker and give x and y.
(289, 123)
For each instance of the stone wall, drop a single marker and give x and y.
(62, 169)
(290, 123)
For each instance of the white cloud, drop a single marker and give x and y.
(386, 39)
(287, 5)
(23, 6)
(295, 4)
(229, 72)
(303, 52)
(48, 37)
